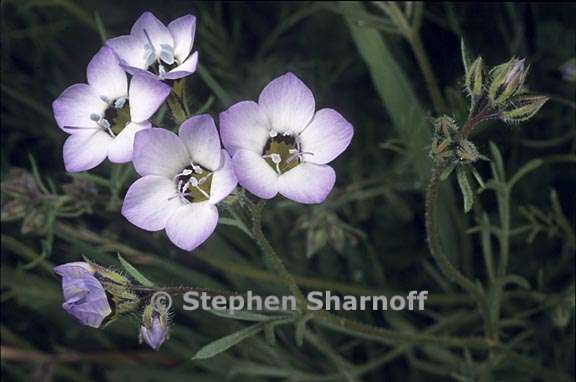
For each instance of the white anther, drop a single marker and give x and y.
(197, 169)
(120, 102)
(273, 133)
(95, 117)
(167, 54)
(193, 182)
(105, 99)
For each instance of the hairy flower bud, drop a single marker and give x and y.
(154, 328)
(507, 80)
(522, 108)
(475, 78)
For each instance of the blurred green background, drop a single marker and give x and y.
(368, 238)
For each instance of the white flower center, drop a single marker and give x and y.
(193, 184)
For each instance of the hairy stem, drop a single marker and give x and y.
(443, 262)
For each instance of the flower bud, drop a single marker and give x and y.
(475, 78)
(467, 152)
(507, 80)
(522, 108)
(154, 328)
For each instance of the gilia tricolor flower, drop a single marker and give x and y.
(103, 115)
(280, 145)
(84, 296)
(154, 49)
(184, 176)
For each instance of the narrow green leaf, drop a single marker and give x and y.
(227, 342)
(465, 188)
(478, 177)
(135, 273)
(528, 167)
(497, 163)
(466, 57)
(301, 329)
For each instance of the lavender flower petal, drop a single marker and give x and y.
(192, 224)
(254, 174)
(183, 30)
(145, 96)
(326, 137)
(74, 269)
(159, 152)
(150, 202)
(200, 136)
(288, 103)
(185, 69)
(106, 76)
(85, 150)
(121, 148)
(224, 179)
(159, 35)
(130, 51)
(75, 105)
(244, 126)
(307, 183)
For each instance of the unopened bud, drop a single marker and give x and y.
(507, 80)
(467, 152)
(154, 328)
(522, 108)
(475, 78)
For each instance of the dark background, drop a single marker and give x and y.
(368, 238)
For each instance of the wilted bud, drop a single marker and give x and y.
(467, 152)
(475, 78)
(121, 297)
(154, 328)
(84, 296)
(507, 80)
(522, 108)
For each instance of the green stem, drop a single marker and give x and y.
(443, 262)
(272, 256)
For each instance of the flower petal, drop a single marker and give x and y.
(121, 148)
(192, 224)
(183, 30)
(244, 126)
(254, 174)
(150, 202)
(145, 96)
(223, 180)
(75, 105)
(288, 104)
(85, 150)
(201, 138)
(185, 69)
(326, 137)
(106, 76)
(159, 152)
(74, 269)
(156, 30)
(307, 183)
(130, 50)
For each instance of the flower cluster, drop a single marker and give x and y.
(278, 145)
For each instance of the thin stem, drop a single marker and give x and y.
(272, 256)
(436, 249)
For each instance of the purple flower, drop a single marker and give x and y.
(103, 115)
(156, 50)
(154, 330)
(84, 296)
(183, 177)
(280, 145)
